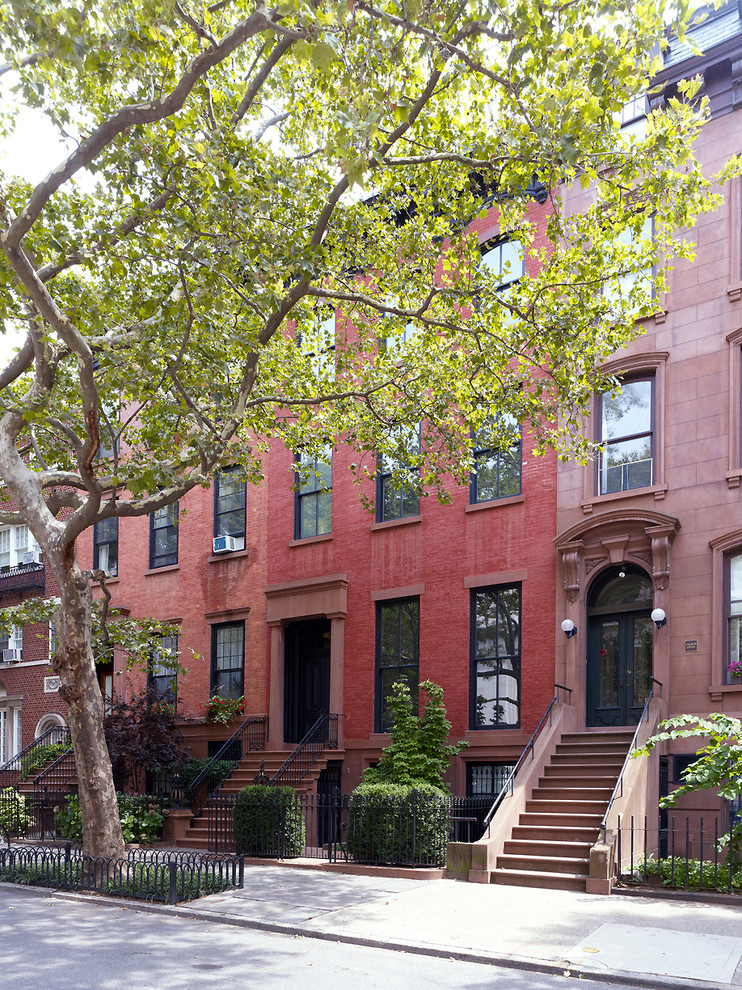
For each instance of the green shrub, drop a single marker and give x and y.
(190, 770)
(403, 824)
(38, 757)
(15, 818)
(674, 873)
(268, 821)
(141, 818)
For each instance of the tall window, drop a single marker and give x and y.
(228, 660)
(106, 546)
(734, 613)
(396, 498)
(617, 289)
(11, 643)
(486, 779)
(497, 471)
(313, 510)
(17, 547)
(160, 677)
(495, 657)
(229, 506)
(397, 654)
(626, 424)
(163, 536)
(504, 258)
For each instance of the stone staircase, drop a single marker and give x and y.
(550, 845)
(196, 836)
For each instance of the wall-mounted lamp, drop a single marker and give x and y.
(658, 617)
(570, 629)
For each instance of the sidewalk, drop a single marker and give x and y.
(649, 941)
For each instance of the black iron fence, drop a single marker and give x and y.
(379, 830)
(681, 852)
(249, 736)
(164, 877)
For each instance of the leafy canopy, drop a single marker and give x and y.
(245, 168)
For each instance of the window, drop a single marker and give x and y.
(734, 614)
(228, 660)
(618, 289)
(497, 471)
(626, 424)
(229, 506)
(397, 654)
(634, 117)
(313, 509)
(505, 259)
(163, 536)
(161, 678)
(11, 643)
(396, 498)
(486, 779)
(495, 657)
(17, 547)
(106, 546)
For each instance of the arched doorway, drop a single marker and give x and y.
(619, 650)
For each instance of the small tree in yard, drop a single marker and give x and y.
(718, 764)
(141, 734)
(418, 752)
(161, 300)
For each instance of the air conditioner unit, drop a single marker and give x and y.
(224, 544)
(11, 656)
(32, 556)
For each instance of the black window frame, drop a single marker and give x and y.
(164, 685)
(218, 514)
(514, 658)
(486, 247)
(500, 771)
(163, 559)
(311, 491)
(409, 501)
(215, 684)
(651, 378)
(480, 454)
(380, 667)
(729, 616)
(101, 539)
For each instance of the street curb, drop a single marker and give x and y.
(522, 963)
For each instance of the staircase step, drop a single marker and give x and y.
(567, 807)
(612, 735)
(581, 771)
(532, 878)
(564, 849)
(545, 864)
(564, 820)
(563, 792)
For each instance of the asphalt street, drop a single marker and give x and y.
(48, 942)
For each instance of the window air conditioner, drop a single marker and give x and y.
(11, 656)
(224, 544)
(32, 556)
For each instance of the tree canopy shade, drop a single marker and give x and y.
(255, 168)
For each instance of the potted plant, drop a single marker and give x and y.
(222, 710)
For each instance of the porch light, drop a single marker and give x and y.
(570, 629)
(658, 617)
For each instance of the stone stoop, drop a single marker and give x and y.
(196, 835)
(550, 845)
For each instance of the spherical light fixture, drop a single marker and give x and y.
(569, 628)
(658, 617)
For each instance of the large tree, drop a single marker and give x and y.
(248, 169)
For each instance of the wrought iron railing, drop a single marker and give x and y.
(16, 767)
(508, 786)
(322, 735)
(250, 735)
(56, 778)
(22, 577)
(618, 788)
(680, 854)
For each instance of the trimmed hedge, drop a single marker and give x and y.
(267, 821)
(400, 824)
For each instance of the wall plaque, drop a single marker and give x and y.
(52, 684)
(691, 646)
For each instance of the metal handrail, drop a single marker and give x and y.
(204, 776)
(322, 735)
(632, 747)
(530, 745)
(54, 734)
(40, 779)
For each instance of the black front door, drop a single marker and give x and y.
(619, 668)
(619, 647)
(307, 676)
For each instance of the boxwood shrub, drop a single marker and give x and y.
(401, 824)
(267, 821)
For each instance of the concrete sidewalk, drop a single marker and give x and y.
(649, 941)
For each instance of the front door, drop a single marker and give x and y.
(307, 676)
(619, 660)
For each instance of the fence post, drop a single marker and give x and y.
(173, 892)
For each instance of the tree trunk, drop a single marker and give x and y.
(75, 666)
